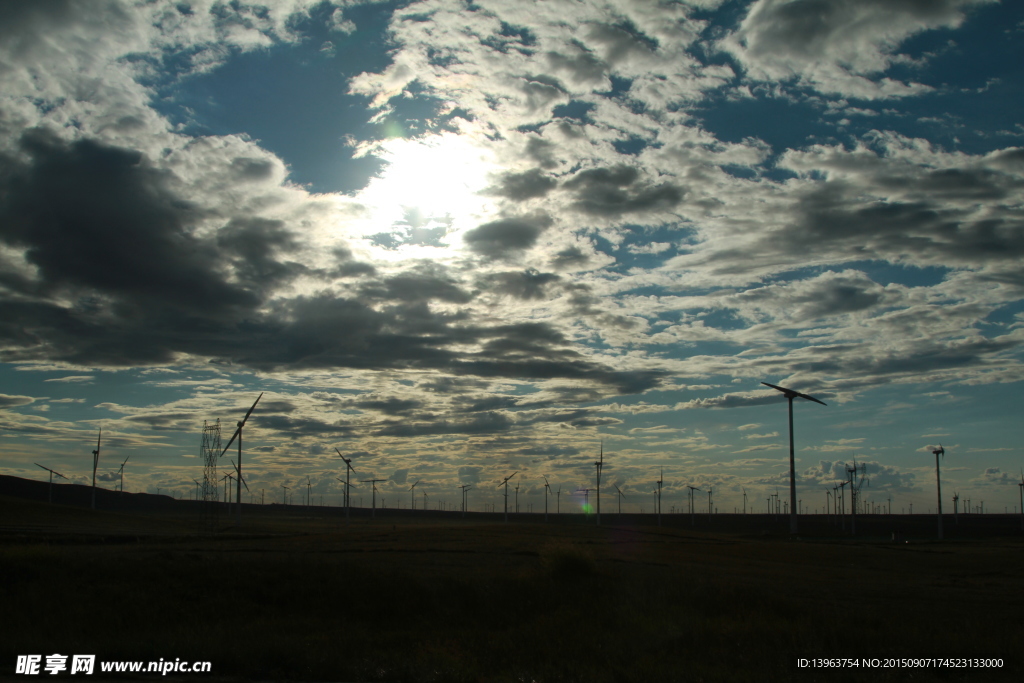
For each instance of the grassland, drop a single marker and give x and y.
(303, 597)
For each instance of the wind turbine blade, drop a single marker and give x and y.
(793, 392)
(233, 437)
(98, 437)
(252, 409)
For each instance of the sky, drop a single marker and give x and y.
(455, 240)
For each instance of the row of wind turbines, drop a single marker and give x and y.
(793, 507)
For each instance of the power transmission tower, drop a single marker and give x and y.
(209, 509)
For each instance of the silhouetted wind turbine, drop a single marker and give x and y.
(505, 483)
(348, 473)
(517, 497)
(744, 500)
(558, 500)
(285, 494)
(197, 487)
(620, 497)
(121, 472)
(694, 488)
(95, 462)
(464, 487)
(790, 394)
(412, 496)
(238, 435)
(599, 465)
(938, 484)
(661, 478)
(52, 472)
(547, 492)
(373, 508)
(240, 477)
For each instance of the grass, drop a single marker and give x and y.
(492, 602)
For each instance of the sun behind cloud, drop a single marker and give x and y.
(429, 190)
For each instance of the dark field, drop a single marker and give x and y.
(294, 594)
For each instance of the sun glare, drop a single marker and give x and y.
(429, 184)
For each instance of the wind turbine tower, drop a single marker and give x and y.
(694, 488)
(938, 484)
(790, 394)
(412, 496)
(661, 479)
(238, 435)
(620, 497)
(547, 492)
(373, 507)
(51, 479)
(121, 472)
(348, 486)
(505, 483)
(95, 462)
(599, 465)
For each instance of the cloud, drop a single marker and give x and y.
(499, 238)
(838, 46)
(8, 401)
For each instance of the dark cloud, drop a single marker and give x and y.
(570, 257)
(497, 238)
(484, 423)
(257, 243)
(527, 284)
(8, 401)
(390, 406)
(415, 287)
(618, 190)
(92, 215)
(526, 185)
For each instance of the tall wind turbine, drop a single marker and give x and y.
(95, 462)
(660, 481)
(465, 488)
(505, 483)
(790, 394)
(599, 465)
(348, 486)
(558, 500)
(938, 484)
(284, 494)
(412, 496)
(692, 489)
(744, 500)
(373, 508)
(620, 497)
(51, 478)
(238, 435)
(1021, 485)
(121, 472)
(547, 492)
(240, 477)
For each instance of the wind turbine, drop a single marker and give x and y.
(547, 492)
(692, 489)
(505, 483)
(373, 509)
(1021, 485)
(412, 496)
(558, 500)
(309, 489)
(620, 497)
(238, 435)
(938, 484)
(95, 462)
(240, 477)
(517, 497)
(197, 487)
(285, 493)
(661, 478)
(464, 487)
(744, 500)
(790, 394)
(709, 503)
(51, 478)
(348, 473)
(599, 465)
(121, 472)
